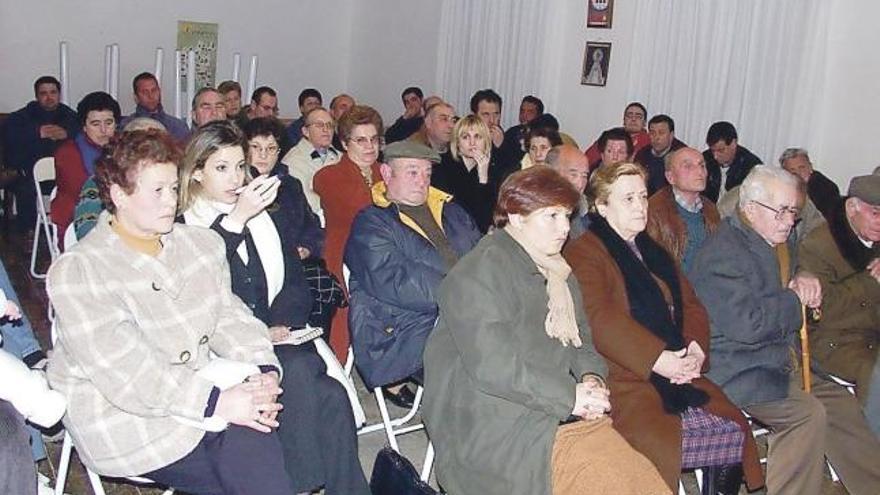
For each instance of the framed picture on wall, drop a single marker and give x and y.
(599, 13)
(597, 59)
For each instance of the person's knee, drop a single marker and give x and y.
(12, 431)
(813, 416)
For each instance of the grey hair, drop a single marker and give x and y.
(143, 124)
(790, 153)
(757, 185)
(206, 89)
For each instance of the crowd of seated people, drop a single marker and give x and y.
(582, 321)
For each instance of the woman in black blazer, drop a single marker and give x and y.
(317, 427)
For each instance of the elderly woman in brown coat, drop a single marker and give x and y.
(654, 333)
(515, 399)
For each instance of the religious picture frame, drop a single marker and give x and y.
(599, 13)
(597, 59)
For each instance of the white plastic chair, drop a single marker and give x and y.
(44, 170)
(69, 237)
(393, 427)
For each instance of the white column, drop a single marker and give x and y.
(158, 68)
(236, 66)
(107, 70)
(64, 74)
(114, 71)
(177, 84)
(190, 83)
(252, 80)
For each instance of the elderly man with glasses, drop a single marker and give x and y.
(745, 276)
(314, 152)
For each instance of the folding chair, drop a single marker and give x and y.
(393, 427)
(69, 237)
(44, 170)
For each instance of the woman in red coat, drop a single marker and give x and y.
(649, 325)
(344, 188)
(75, 159)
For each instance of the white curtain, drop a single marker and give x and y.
(496, 44)
(757, 64)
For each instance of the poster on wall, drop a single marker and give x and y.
(200, 37)
(599, 13)
(597, 57)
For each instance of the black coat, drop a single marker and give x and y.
(22, 143)
(293, 216)
(403, 128)
(742, 164)
(452, 176)
(656, 165)
(824, 193)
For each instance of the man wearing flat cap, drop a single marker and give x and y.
(399, 251)
(845, 255)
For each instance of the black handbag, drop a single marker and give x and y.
(393, 474)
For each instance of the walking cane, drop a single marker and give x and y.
(805, 351)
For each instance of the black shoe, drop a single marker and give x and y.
(404, 398)
(727, 479)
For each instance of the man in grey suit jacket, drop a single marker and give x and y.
(745, 276)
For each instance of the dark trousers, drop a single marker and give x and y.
(26, 199)
(237, 461)
(18, 473)
(317, 429)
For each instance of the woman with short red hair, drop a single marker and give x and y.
(515, 395)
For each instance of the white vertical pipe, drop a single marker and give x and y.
(177, 88)
(107, 70)
(252, 80)
(64, 72)
(236, 66)
(190, 83)
(114, 71)
(160, 55)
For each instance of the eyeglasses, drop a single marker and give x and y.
(259, 150)
(327, 126)
(364, 140)
(779, 214)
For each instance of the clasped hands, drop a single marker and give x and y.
(681, 366)
(591, 398)
(253, 404)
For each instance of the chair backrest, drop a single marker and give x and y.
(70, 237)
(44, 169)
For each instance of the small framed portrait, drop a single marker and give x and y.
(597, 58)
(599, 13)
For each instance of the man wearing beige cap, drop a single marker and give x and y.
(399, 250)
(845, 255)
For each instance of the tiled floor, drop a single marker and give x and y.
(15, 252)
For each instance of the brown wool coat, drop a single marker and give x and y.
(845, 340)
(343, 194)
(667, 227)
(631, 350)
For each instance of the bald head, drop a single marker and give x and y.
(429, 102)
(686, 170)
(571, 163)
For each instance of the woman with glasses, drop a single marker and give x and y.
(316, 428)
(344, 189)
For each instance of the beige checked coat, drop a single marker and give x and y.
(132, 332)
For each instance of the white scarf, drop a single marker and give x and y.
(262, 229)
